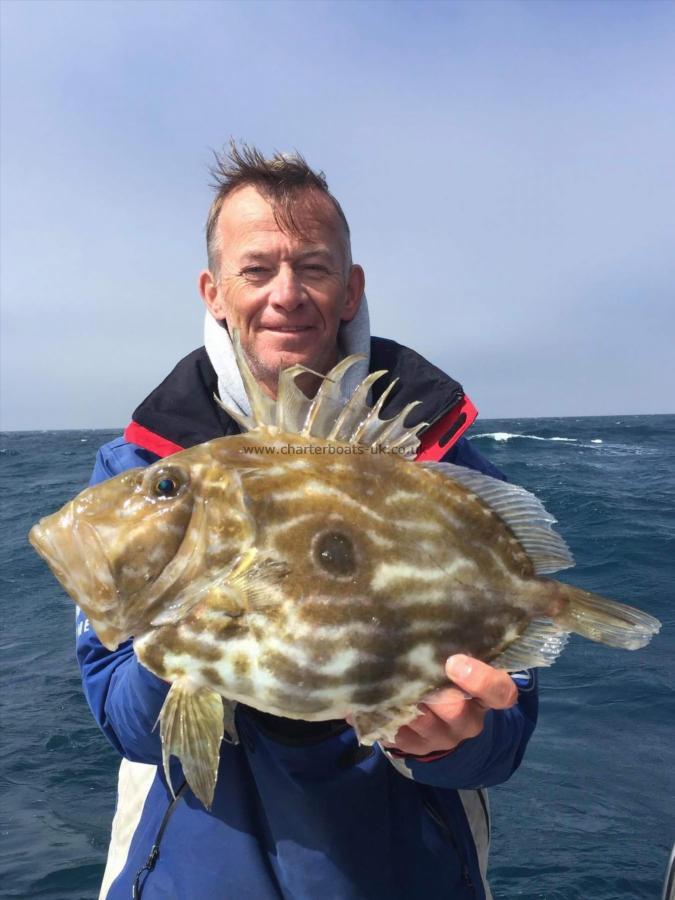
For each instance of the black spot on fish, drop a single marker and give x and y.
(334, 553)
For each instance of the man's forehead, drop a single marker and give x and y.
(246, 210)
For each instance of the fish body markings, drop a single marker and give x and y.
(382, 627)
(315, 579)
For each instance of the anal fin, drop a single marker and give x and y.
(191, 728)
(539, 645)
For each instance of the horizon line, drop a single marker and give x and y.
(120, 429)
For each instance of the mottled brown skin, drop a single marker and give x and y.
(350, 522)
(391, 569)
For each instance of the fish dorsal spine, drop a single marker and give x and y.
(329, 415)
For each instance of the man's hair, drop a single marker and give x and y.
(283, 180)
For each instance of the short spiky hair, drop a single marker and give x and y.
(282, 180)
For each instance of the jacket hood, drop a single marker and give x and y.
(353, 337)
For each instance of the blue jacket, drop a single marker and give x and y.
(297, 816)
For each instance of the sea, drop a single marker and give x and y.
(590, 815)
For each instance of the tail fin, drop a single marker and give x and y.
(605, 621)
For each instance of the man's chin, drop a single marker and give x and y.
(279, 350)
(271, 357)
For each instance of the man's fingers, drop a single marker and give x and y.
(431, 732)
(444, 698)
(409, 741)
(492, 688)
(462, 722)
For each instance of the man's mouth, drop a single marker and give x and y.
(288, 329)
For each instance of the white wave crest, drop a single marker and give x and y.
(507, 436)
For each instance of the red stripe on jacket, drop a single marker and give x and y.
(439, 438)
(137, 434)
(434, 443)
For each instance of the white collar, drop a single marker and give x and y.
(353, 337)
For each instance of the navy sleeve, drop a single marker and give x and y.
(463, 454)
(124, 697)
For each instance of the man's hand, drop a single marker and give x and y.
(451, 715)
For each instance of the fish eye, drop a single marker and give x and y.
(334, 553)
(166, 487)
(167, 483)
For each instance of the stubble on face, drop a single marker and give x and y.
(267, 373)
(319, 306)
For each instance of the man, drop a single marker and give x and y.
(300, 811)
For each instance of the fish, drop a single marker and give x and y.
(310, 569)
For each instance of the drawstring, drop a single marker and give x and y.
(153, 856)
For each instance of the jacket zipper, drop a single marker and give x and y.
(447, 833)
(483, 803)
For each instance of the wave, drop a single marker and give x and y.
(507, 436)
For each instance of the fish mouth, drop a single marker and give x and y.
(41, 540)
(50, 538)
(73, 550)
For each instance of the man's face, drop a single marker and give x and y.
(285, 294)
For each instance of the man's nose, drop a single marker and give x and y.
(287, 289)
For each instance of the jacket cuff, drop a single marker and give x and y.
(419, 757)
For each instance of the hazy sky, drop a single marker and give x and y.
(508, 170)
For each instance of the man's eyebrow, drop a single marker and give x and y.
(316, 251)
(254, 255)
(264, 255)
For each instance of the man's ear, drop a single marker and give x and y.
(356, 284)
(208, 288)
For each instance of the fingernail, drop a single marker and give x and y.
(458, 666)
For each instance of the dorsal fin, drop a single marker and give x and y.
(330, 414)
(520, 510)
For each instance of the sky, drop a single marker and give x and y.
(507, 168)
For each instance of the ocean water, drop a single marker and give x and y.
(590, 813)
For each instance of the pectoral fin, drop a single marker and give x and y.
(249, 583)
(256, 577)
(191, 728)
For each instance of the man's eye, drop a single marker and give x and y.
(255, 272)
(315, 269)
